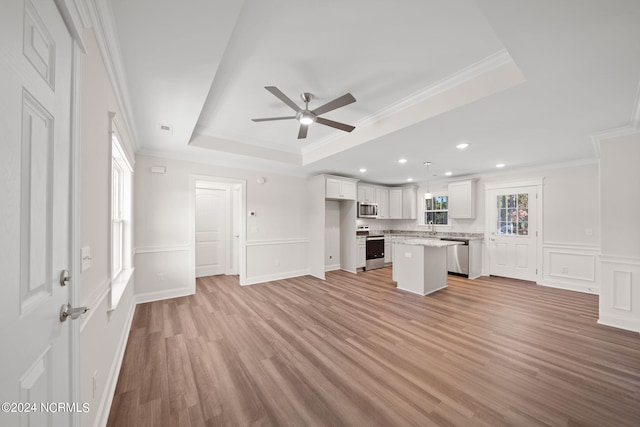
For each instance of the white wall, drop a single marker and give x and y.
(620, 259)
(103, 333)
(571, 210)
(276, 237)
(332, 235)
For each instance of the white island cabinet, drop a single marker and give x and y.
(420, 265)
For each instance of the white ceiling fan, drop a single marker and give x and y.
(306, 116)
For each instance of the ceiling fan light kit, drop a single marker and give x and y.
(306, 116)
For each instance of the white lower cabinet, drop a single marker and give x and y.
(387, 252)
(362, 254)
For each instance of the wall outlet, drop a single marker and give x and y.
(161, 276)
(277, 263)
(408, 255)
(565, 269)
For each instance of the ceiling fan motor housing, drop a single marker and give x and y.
(306, 117)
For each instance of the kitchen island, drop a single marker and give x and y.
(420, 265)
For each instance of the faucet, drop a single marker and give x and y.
(431, 230)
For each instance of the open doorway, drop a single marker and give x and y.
(218, 225)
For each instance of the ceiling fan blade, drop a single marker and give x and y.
(302, 133)
(268, 119)
(282, 97)
(345, 99)
(337, 125)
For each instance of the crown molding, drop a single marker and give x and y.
(196, 156)
(470, 72)
(599, 137)
(633, 126)
(76, 18)
(101, 18)
(217, 133)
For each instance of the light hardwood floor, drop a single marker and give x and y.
(353, 350)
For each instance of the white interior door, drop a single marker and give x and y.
(235, 234)
(513, 226)
(35, 89)
(212, 231)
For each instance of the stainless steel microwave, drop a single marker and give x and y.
(367, 210)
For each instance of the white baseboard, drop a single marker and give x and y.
(332, 267)
(112, 380)
(619, 322)
(277, 276)
(572, 287)
(167, 294)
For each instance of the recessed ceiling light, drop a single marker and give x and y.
(409, 179)
(500, 165)
(448, 173)
(462, 146)
(363, 170)
(402, 161)
(427, 163)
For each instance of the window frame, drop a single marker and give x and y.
(121, 201)
(423, 222)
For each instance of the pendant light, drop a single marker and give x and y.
(428, 194)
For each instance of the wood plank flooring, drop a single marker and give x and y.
(353, 350)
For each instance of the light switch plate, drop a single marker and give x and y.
(85, 253)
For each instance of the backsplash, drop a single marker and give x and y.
(457, 226)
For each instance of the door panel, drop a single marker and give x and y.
(212, 231)
(512, 214)
(35, 89)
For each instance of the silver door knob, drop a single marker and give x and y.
(74, 312)
(64, 277)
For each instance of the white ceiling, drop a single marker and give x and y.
(525, 83)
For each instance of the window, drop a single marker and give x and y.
(121, 183)
(513, 215)
(436, 210)
(117, 217)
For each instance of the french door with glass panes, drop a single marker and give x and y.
(512, 245)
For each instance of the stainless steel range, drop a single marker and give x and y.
(375, 252)
(374, 248)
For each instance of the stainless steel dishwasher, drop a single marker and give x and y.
(458, 256)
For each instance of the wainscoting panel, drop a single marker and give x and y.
(572, 267)
(276, 259)
(620, 296)
(163, 272)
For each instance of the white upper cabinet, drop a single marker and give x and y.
(395, 203)
(409, 203)
(403, 203)
(462, 200)
(382, 198)
(343, 189)
(366, 193)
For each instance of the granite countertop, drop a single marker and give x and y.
(430, 242)
(432, 234)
